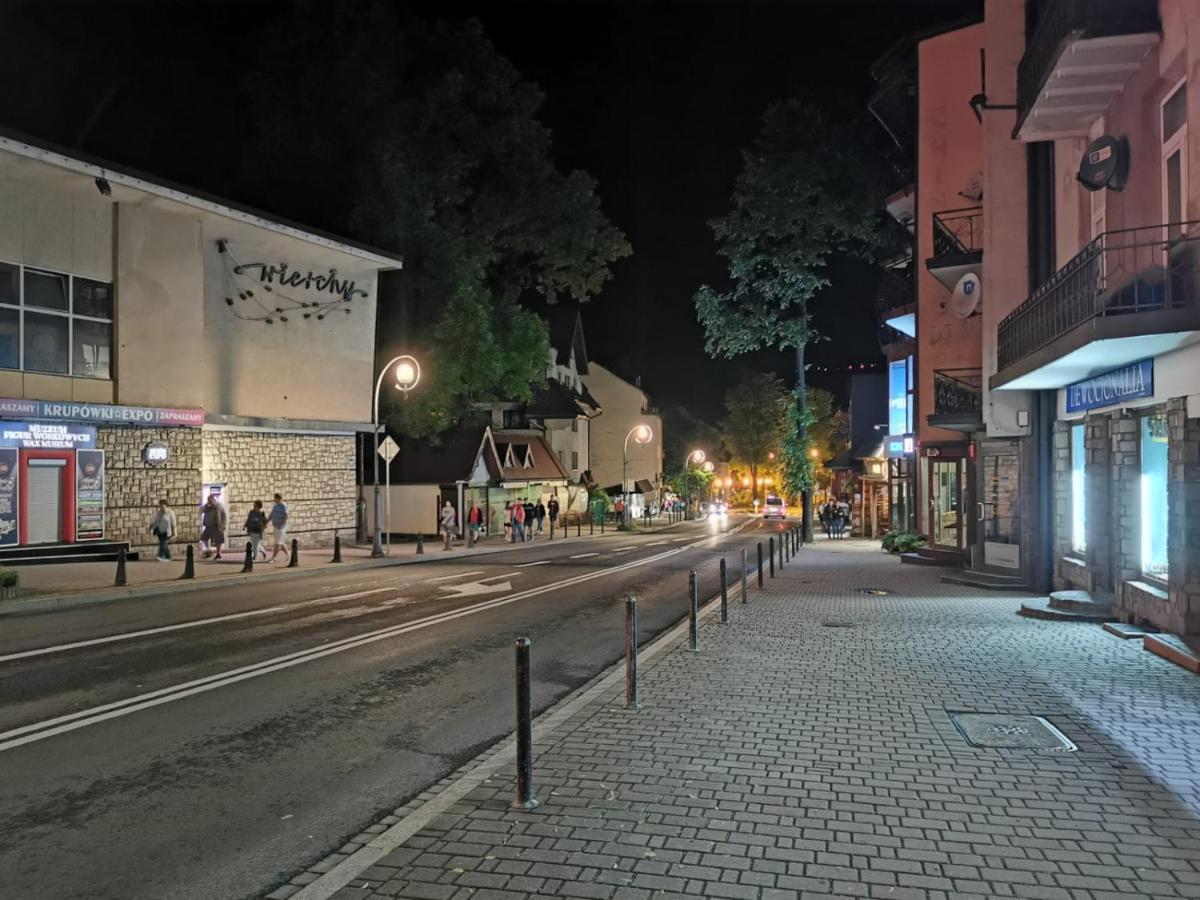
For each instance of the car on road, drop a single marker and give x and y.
(716, 508)
(774, 508)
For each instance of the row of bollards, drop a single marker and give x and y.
(189, 563)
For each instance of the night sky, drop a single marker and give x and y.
(653, 99)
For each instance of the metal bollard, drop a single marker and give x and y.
(760, 566)
(631, 685)
(420, 544)
(120, 580)
(295, 560)
(724, 596)
(248, 565)
(578, 526)
(551, 529)
(745, 578)
(524, 798)
(189, 564)
(603, 519)
(337, 548)
(591, 526)
(771, 560)
(783, 549)
(693, 611)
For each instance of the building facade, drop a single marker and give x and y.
(156, 344)
(626, 406)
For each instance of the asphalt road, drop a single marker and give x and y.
(210, 744)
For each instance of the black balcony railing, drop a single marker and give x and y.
(1061, 20)
(1126, 272)
(894, 295)
(957, 232)
(891, 337)
(957, 391)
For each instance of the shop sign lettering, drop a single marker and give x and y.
(103, 413)
(89, 495)
(309, 281)
(43, 436)
(1111, 388)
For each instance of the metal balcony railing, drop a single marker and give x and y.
(1124, 272)
(1064, 19)
(890, 337)
(957, 391)
(957, 232)
(894, 295)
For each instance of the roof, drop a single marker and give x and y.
(445, 459)
(565, 323)
(525, 456)
(554, 400)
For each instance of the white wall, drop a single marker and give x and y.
(624, 407)
(414, 507)
(61, 227)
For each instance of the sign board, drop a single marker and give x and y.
(156, 453)
(9, 475)
(896, 446)
(388, 449)
(89, 495)
(1130, 382)
(102, 413)
(44, 436)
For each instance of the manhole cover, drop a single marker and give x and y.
(876, 592)
(1003, 732)
(838, 624)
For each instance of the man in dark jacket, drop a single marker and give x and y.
(528, 519)
(539, 513)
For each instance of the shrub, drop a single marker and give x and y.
(902, 541)
(8, 578)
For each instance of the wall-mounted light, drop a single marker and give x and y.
(103, 186)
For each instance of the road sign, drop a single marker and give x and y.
(388, 449)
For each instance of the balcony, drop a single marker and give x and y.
(1078, 59)
(890, 337)
(957, 244)
(895, 303)
(957, 399)
(1128, 295)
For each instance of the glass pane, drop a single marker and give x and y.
(10, 288)
(10, 338)
(1002, 522)
(1154, 496)
(1174, 113)
(1078, 487)
(92, 298)
(897, 398)
(45, 289)
(1174, 177)
(93, 349)
(945, 504)
(45, 343)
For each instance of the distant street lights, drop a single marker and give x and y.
(641, 434)
(408, 373)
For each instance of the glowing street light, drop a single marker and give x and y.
(408, 373)
(696, 457)
(814, 453)
(641, 434)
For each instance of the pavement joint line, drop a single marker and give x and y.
(491, 761)
(37, 731)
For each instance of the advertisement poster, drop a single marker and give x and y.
(8, 496)
(89, 495)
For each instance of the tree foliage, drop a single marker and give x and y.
(424, 140)
(756, 415)
(822, 433)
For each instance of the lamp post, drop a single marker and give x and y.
(641, 434)
(408, 373)
(695, 458)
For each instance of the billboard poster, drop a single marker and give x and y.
(8, 496)
(89, 495)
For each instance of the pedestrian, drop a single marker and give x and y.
(552, 511)
(826, 521)
(279, 524)
(256, 524)
(215, 521)
(518, 514)
(510, 533)
(162, 526)
(449, 524)
(539, 514)
(474, 522)
(529, 519)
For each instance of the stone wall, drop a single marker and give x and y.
(1097, 471)
(315, 473)
(1124, 522)
(1061, 540)
(1183, 517)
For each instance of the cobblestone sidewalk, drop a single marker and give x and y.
(807, 751)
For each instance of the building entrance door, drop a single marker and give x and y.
(44, 500)
(1000, 507)
(945, 503)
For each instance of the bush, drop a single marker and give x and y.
(8, 578)
(902, 541)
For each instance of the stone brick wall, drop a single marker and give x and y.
(315, 474)
(1124, 522)
(1183, 517)
(133, 488)
(1061, 541)
(1097, 470)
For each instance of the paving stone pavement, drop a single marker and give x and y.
(807, 751)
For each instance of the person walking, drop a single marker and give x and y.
(474, 522)
(279, 524)
(518, 521)
(449, 524)
(552, 511)
(539, 514)
(162, 526)
(214, 521)
(529, 519)
(256, 524)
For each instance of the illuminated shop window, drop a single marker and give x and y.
(1154, 496)
(900, 396)
(1078, 496)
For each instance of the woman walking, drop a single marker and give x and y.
(214, 522)
(162, 526)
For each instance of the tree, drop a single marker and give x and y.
(424, 140)
(808, 189)
(753, 428)
(803, 462)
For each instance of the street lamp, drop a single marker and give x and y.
(641, 434)
(408, 373)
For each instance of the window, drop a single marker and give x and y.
(1154, 496)
(1078, 486)
(575, 425)
(1174, 159)
(900, 396)
(54, 322)
(574, 459)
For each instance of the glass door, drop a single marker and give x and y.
(945, 503)
(1000, 509)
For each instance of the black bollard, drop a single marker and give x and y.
(724, 596)
(785, 548)
(295, 559)
(631, 685)
(578, 526)
(337, 548)
(693, 611)
(189, 564)
(771, 555)
(120, 579)
(248, 565)
(524, 799)
(745, 577)
(420, 544)
(591, 526)
(760, 566)
(551, 529)
(603, 519)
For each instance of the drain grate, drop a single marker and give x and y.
(876, 592)
(1010, 732)
(839, 624)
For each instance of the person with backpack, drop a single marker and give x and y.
(529, 519)
(552, 511)
(539, 514)
(256, 524)
(279, 523)
(162, 526)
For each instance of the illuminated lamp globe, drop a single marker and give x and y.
(643, 434)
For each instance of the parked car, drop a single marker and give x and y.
(774, 508)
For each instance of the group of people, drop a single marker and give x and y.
(214, 521)
(835, 518)
(523, 520)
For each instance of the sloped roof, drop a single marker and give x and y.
(533, 460)
(566, 333)
(447, 458)
(554, 400)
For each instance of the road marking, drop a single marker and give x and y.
(623, 549)
(584, 555)
(195, 623)
(459, 575)
(540, 562)
(472, 588)
(658, 543)
(681, 540)
(28, 734)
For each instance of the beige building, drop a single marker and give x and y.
(156, 343)
(625, 406)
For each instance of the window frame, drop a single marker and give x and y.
(1171, 144)
(1078, 489)
(1154, 578)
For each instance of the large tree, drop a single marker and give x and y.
(423, 139)
(756, 412)
(809, 189)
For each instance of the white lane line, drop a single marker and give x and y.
(584, 555)
(195, 623)
(623, 549)
(681, 540)
(459, 575)
(540, 562)
(658, 543)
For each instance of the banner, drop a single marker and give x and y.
(103, 413)
(42, 436)
(1130, 382)
(89, 495)
(8, 496)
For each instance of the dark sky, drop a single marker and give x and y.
(654, 99)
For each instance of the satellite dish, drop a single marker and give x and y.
(967, 294)
(974, 189)
(1105, 164)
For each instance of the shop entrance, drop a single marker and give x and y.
(1000, 506)
(946, 497)
(45, 500)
